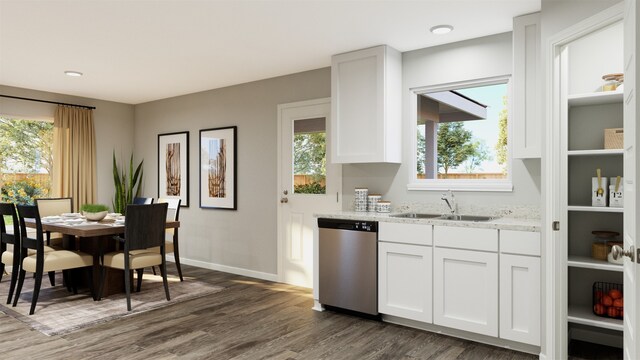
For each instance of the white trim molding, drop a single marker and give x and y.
(228, 269)
(461, 185)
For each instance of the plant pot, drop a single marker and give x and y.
(91, 216)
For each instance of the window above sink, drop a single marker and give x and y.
(461, 136)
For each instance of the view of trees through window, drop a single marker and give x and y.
(26, 158)
(309, 163)
(462, 134)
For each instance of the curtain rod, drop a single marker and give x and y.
(46, 101)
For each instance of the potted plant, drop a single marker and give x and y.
(127, 187)
(94, 212)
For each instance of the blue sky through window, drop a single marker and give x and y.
(486, 130)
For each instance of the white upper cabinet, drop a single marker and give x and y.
(527, 74)
(366, 113)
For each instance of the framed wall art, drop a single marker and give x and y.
(218, 168)
(173, 166)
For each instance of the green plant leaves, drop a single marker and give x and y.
(126, 188)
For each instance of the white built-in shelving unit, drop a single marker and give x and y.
(587, 115)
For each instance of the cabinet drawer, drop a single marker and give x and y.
(520, 242)
(466, 238)
(418, 234)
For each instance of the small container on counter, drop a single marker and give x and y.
(383, 206)
(360, 202)
(372, 202)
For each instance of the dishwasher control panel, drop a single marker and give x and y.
(353, 225)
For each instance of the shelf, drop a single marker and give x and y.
(597, 98)
(595, 209)
(584, 316)
(589, 263)
(599, 152)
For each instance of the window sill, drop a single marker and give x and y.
(461, 185)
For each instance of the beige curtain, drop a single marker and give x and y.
(74, 155)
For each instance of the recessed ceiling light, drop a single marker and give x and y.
(73, 73)
(441, 29)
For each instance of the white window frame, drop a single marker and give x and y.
(505, 185)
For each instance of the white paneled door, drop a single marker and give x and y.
(307, 184)
(631, 236)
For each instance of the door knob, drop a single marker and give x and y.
(618, 252)
(286, 192)
(284, 200)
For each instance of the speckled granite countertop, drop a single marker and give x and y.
(503, 223)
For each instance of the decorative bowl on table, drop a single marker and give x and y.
(97, 216)
(94, 212)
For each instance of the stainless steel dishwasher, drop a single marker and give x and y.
(348, 264)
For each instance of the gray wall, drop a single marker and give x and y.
(233, 240)
(466, 60)
(113, 124)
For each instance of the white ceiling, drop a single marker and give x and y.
(139, 51)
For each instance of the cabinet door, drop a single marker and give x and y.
(527, 116)
(366, 106)
(520, 298)
(404, 279)
(465, 290)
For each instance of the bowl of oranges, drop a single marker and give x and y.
(608, 300)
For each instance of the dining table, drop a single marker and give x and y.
(94, 238)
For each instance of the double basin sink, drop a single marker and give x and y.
(452, 217)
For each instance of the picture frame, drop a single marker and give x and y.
(218, 168)
(173, 166)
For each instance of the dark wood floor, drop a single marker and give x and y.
(250, 319)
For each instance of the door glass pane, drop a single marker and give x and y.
(309, 156)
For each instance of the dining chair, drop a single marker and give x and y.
(144, 229)
(142, 200)
(171, 235)
(10, 257)
(54, 207)
(41, 261)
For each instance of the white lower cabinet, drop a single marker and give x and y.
(520, 298)
(465, 290)
(404, 281)
(477, 280)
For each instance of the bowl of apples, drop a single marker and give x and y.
(608, 300)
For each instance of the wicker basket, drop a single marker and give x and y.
(614, 138)
(604, 304)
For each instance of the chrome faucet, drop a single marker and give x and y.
(451, 202)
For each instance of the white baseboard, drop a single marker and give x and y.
(227, 269)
